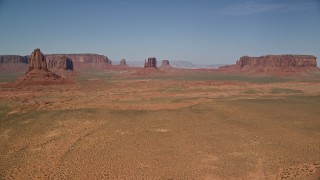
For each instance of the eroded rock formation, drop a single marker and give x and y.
(165, 64)
(79, 62)
(6, 59)
(85, 61)
(38, 73)
(84, 58)
(150, 67)
(274, 64)
(123, 62)
(37, 61)
(150, 62)
(13, 63)
(60, 62)
(278, 61)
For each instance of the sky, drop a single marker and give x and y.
(199, 31)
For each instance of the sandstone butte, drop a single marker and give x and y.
(38, 73)
(150, 62)
(123, 62)
(277, 64)
(150, 67)
(165, 64)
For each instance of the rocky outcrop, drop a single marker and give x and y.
(85, 61)
(123, 62)
(60, 65)
(79, 62)
(150, 68)
(274, 64)
(150, 62)
(6, 59)
(13, 63)
(165, 64)
(278, 61)
(37, 61)
(60, 62)
(38, 73)
(84, 58)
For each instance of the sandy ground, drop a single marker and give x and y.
(161, 127)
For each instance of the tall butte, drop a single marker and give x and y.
(38, 73)
(37, 61)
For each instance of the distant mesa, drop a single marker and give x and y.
(38, 73)
(6, 59)
(150, 62)
(60, 65)
(80, 62)
(60, 62)
(84, 61)
(150, 67)
(123, 63)
(278, 61)
(14, 63)
(276, 64)
(165, 64)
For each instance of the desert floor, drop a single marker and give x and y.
(172, 125)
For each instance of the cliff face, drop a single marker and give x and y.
(60, 62)
(84, 58)
(165, 63)
(123, 62)
(150, 62)
(13, 63)
(37, 61)
(278, 61)
(38, 73)
(6, 59)
(81, 61)
(274, 65)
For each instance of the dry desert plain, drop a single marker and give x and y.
(188, 124)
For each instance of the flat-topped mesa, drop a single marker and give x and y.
(7, 59)
(37, 61)
(278, 61)
(85, 61)
(165, 64)
(78, 59)
(60, 62)
(13, 63)
(150, 62)
(123, 62)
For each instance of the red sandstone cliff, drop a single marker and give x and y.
(150, 62)
(165, 64)
(77, 61)
(13, 63)
(274, 64)
(13, 59)
(278, 61)
(85, 61)
(38, 73)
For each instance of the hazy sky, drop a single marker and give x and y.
(201, 31)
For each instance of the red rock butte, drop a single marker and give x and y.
(150, 62)
(274, 64)
(165, 63)
(279, 61)
(38, 73)
(123, 62)
(37, 61)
